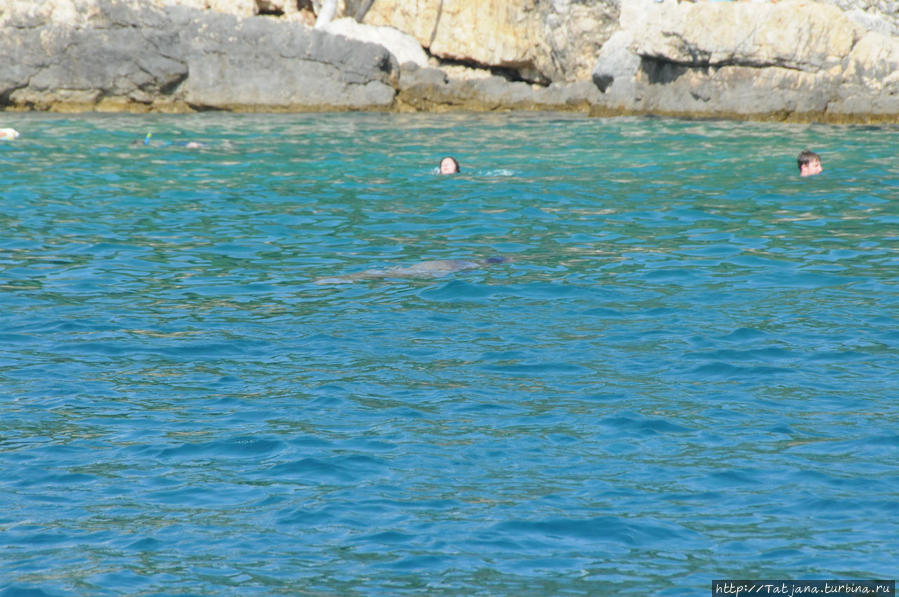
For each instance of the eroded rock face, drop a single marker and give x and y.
(27, 13)
(734, 58)
(616, 70)
(881, 16)
(100, 56)
(495, 32)
(240, 8)
(404, 47)
(793, 59)
(120, 55)
(430, 89)
(574, 32)
(870, 82)
(499, 33)
(539, 41)
(798, 35)
(418, 18)
(263, 64)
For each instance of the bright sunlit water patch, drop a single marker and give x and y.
(643, 354)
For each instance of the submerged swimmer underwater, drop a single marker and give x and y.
(425, 269)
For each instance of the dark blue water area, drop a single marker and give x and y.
(612, 356)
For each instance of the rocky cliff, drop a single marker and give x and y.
(836, 61)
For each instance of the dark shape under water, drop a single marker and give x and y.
(425, 269)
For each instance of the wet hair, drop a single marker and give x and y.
(453, 160)
(806, 157)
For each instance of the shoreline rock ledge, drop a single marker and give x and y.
(801, 60)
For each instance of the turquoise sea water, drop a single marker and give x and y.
(685, 371)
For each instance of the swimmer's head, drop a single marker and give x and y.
(449, 165)
(9, 134)
(809, 163)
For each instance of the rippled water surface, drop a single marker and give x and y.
(223, 373)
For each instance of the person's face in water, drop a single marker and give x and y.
(448, 166)
(812, 168)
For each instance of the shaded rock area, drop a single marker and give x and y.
(403, 46)
(752, 60)
(833, 60)
(139, 57)
(282, 66)
(431, 90)
(538, 41)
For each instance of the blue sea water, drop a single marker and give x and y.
(684, 369)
